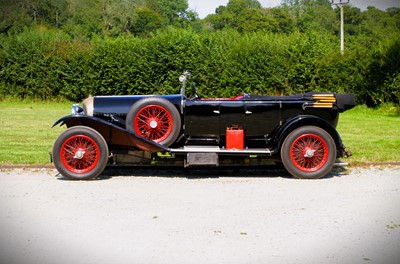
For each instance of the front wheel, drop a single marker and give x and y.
(80, 153)
(308, 152)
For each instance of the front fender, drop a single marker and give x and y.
(307, 120)
(113, 134)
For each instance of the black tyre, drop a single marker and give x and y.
(80, 153)
(156, 119)
(308, 152)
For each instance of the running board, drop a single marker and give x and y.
(220, 151)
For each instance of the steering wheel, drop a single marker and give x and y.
(196, 94)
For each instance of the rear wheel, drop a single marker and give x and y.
(156, 119)
(308, 153)
(80, 153)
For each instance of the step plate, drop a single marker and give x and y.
(201, 159)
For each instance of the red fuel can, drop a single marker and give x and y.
(234, 138)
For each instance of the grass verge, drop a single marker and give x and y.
(26, 136)
(373, 135)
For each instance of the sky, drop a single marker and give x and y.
(205, 7)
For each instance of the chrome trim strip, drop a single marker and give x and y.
(221, 151)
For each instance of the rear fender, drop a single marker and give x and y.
(113, 134)
(307, 120)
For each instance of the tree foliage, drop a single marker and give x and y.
(249, 16)
(72, 49)
(85, 18)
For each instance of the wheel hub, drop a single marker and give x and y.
(79, 154)
(153, 124)
(309, 153)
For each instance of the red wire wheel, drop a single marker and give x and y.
(153, 122)
(156, 119)
(308, 152)
(79, 154)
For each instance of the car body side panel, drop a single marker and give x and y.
(120, 105)
(212, 117)
(202, 118)
(262, 117)
(232, 114)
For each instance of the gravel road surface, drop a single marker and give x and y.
(205, 216)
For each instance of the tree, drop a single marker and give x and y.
(173, 11)
(317, 15)
(237, 6)
(49, 12)
(118, 16)
(352, 19)
(85, 18)
(14, 15)
(285, 22)
(242, 15)
(377, 23)
(146, 21)
(219, 21)
(253, 20)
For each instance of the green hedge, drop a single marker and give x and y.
(48, 64)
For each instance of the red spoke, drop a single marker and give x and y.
(153, 114)
(87, 147)
(309, 152)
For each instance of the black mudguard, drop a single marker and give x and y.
(113, 134)
(308, 120)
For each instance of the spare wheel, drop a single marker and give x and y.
(156, 119)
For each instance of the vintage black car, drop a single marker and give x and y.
(186, 129)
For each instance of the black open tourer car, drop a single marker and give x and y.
(186, 129)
